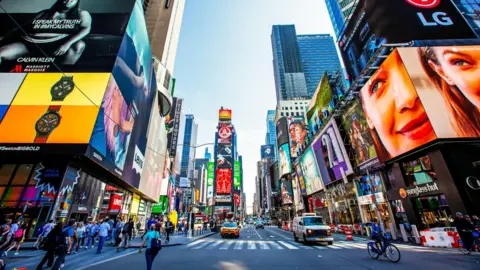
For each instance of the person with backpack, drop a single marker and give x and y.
(18, 239)
(126, 232)
(154, 245)
(6, 239)
(54, 244)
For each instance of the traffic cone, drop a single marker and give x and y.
(348, 233)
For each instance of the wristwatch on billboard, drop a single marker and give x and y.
(47, 123)
(61, 89)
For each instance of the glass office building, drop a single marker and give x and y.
(189, 139)
(271, 136)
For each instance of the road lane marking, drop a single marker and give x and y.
(226, 245)
(201, 245)
(238, 245)
(258, 234)
(280, 235)
(251, 245)
(107, 260)
(275, 245)
(320, 247)
(215, 244)
(289, 246)
(195, 243)
(334, 246)
(263, 245)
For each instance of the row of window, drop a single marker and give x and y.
(296, 108)
(292, 114)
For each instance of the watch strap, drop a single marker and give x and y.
(54, 108)
(40, 139)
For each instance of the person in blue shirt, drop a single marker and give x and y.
(68, 231)
(103, 234)
(150, 253)
(92, 231)
(378, 235)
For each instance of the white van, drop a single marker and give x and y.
(310, 227)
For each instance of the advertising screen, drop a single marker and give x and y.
(237, 181)
(331, 154)
(210, 177)
(267, 151)
(119, 138)
(297, 194)
(62, 108)
(282, 131)
(225, 115)
(225, 133)
(320, 106)
(356, 126)
(297, 130)
(301, 179)
(224, 181)
(285, 160)
(172, 121)
(287, 192)
(311, 174)
(225, 156)
(73, 36)
(369, 184)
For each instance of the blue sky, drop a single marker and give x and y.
(224, 58)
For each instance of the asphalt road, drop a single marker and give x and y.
(272, 248)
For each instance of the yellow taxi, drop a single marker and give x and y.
(230, 229)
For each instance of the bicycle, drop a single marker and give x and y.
(389, 250)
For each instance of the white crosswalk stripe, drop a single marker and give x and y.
(217, 243)
(274, 244)
(226, 245)
(263, 245)
(251, 245)
(238, 245)
(289, 246)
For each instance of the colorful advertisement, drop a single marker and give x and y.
(356, 126)
(267, 151)
(320, 106)
(119, 138)
(311, 175)
(172, 121)
(297, 195)
(115, 203)
(368, 185)
(224, 156)
(285, 160)
(287, 192)
(224, 181)
(297, 131)
(73, 36)
(210, 177)
(331, 155)
(237, 181)
(225, 133)
(301, 180)
(282, 131)
(61, 108)
(224, 115)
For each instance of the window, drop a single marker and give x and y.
(287, 114)
(418, 171)
(21, 176)
(281, 114)
(6, 171)
(296, 108)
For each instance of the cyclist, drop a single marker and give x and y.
(465, 229)
(378, 235)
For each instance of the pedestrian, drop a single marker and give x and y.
(111, 223)
(115, 230)
(168, 229)
(118, 230)
(55, 244)
(2, 265)
(15, 226)
(69, 232)
(103, 234)
(152, 250)
(6, 239)
(18, 239)
(475, 221)
(127, 232)
(139, 226)
(9, 222)
(45, 231)
(93, 230)
(81, 234)
(465, 230)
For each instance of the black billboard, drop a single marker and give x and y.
(267, 151)
(73, 36)
(224, 156)
(282, 131)
(173, 125)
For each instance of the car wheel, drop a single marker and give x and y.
(295, 237)
(330, 243)
(305, 239)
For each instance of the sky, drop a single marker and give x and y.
(224, 58)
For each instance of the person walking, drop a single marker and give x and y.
(53, 242)
(168, 229)
(152, 251)
(103, 234)
(45, 231)
(465, 230)
(92, 232)
(81, 234)
(18, 239)
(15, 226)
(69, 232)
(127, 232)
(6, 239)
(137, 231)
(118, 230)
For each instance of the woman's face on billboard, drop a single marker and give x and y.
(460, 66)
(393, 108)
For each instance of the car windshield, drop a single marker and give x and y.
(311, 221)
(230, 225)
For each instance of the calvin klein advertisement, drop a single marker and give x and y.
(225, 156)
(70, 35)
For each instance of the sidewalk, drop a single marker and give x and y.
(175, 240)
(356, 237)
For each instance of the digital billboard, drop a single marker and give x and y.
(210, 177)
(172, 121)
(51, 108)
(320, 106)
(297, 195)
(331, 155)
(297, 131)
(119, 137)
(225, 132)
(287, 192)
(267, 151)
(224, 156)
(284, 160)
(224, 181)
(224, 115)
(282, 131)
(237, 181)
(356, 126)
(74, 36)
(310, 172)
(301, 180)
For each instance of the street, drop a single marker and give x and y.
(272, 248)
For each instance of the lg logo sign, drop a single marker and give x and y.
(438, 18)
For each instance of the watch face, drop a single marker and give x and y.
(47, 123)
(62, 88)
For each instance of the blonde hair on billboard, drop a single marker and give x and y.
(464, 116)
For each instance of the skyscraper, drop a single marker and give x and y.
(340, 11)
(319, 55)
(287, 65)
(271, 136)
(189, 140)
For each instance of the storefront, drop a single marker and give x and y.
(319, 205)
(342, 203)
(134, 207)
(142, 211)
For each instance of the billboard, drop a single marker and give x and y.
(282, 131)
(297, 131)
(224, 156)
(210, 177)
(301, 180)
(297, 195)
(366, 187)
(58, 111)
(224, 181)
(225, 132)
(356, 126)
(224, 115)
(172, 121)
(287, 192)
(285, 160)
(119, 137)
(73, 36)
(237, 181)
(320, 106)
(331, 155)
(267, 151)
(311, 174)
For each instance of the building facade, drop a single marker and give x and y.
(340, 11)
(271, 136)
(189, 143)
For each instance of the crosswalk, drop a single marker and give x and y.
(211, 244)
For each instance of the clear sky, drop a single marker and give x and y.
(224, 58)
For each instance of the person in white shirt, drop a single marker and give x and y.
(104, 228)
